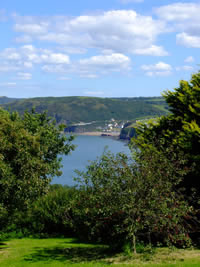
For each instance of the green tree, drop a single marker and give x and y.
(124, 201)
(29, 157)
(180, 130)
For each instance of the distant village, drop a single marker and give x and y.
(111, 126)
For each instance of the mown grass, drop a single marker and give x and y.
(69, 252)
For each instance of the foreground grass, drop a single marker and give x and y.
(67, 252)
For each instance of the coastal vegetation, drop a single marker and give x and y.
(143, 205)
(91, 113)
(28, 159)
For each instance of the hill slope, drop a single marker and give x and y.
(5, 99)
(87, 109)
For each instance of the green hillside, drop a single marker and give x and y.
(5, 99)
(87, 109)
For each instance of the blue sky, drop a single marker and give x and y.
(97, 48)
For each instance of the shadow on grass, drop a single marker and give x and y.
(3, 245)
(71, 254)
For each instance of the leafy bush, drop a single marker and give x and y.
(29, 151)
(121, 201)
(50, 214)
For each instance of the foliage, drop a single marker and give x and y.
(28, 157)
(180, 129)
(121, 200)
(51, 213)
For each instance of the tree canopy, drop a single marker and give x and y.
(121, 200)
(180, 130)
(29, 157)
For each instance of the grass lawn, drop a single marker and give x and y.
(68, 252)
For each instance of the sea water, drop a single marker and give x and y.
(88, 148)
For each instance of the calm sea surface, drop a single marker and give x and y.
(88, 148)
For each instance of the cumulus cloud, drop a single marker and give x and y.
(24, 76)
(122, 31)
(55, 69)
(113, 61)
(188, 40)
(184, 68)
(179, 12)
(55, 58)
(131, 1)
(89, 76)
(32, 29)
(184, 18)
(94, 66)
(25, 57)
(103, 65)
(189, 59)
(152, 51)
(158, 69)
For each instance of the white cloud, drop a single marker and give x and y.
(103, 64)
(131, 1)
(28, 65)
(187, 68)
(93, 67)
(25, 57)
(24, 39)
(24, 76)
(152, 51)
(20, 61)
(113, 61)
(32, 28)
(6, 67)
(184, 68)
(188, 40)
(72, 50)
(189, 59)
(55, 58)
(89, 76)
(121, 31)
(10, 54)
(158, 69)
(158, 66)
(179, 12)
(8, 84)
(55, 69)
(184, 18)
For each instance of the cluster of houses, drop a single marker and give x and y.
(111, 126)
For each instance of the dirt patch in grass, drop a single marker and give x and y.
(4, 250)
(160, 256)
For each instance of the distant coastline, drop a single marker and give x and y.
(112, 134)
